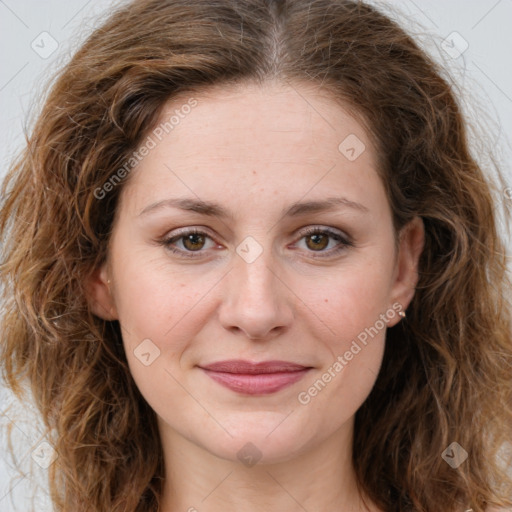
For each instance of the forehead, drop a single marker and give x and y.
(263, 138)
(260, 115)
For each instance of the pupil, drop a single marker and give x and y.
(192, 241)
(319, 240)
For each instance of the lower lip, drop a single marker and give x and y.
(260, 384)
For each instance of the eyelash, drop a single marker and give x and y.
(344, 242)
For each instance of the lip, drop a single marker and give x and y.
(255, 378)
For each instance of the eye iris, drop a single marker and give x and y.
(193, 241)
(319, 240)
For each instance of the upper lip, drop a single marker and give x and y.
(247, 367)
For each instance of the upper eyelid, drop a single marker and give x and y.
(302, 232)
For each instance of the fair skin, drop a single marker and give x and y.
(256, 150)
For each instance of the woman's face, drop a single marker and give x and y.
(293, 260)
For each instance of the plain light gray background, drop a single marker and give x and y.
(37, 37)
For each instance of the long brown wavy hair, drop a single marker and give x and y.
(446, 373)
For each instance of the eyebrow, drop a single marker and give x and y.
(213, 209)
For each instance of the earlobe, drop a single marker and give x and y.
(99, 294)
(411, 244)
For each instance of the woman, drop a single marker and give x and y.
(251, 264)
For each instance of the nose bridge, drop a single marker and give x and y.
(255, 301)
(254, 278)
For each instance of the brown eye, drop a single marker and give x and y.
(317, 241)
(189, 244)
(193, 241)
(323, 242)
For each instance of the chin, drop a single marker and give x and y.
(264, 439)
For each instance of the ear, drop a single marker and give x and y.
(99, 294)
(410, 245)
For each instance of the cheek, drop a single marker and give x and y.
(154, 301)
(352, 299)
(339, 389)
(355, 306)
(353, 348)
(160, 313)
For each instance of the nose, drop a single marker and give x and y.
(256, 301)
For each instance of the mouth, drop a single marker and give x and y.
(255, 378)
